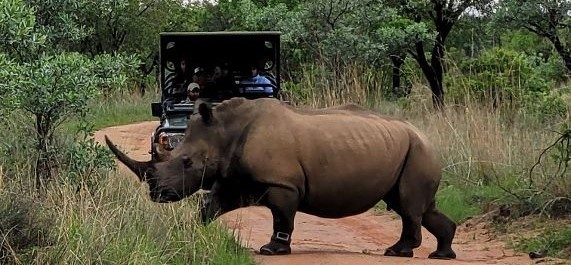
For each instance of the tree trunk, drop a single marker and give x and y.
(145, 71)
(436, 59)
(43, 167)
(563, 51)
(434, 79)
(398, 88)
(142, 87)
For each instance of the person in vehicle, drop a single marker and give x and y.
(198, 90)
(256, 78)
(178, 83)
(222, 82)
(198, 85)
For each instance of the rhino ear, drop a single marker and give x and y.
(205, 112)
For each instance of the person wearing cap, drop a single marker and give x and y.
(198, 83)
(197, 90)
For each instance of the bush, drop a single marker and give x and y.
(552, 68)
(9, 70)
(508, 80)
(84, 162)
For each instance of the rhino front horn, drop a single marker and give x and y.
(139, 168)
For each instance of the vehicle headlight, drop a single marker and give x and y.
(170, 140)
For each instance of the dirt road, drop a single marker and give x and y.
(357, 240)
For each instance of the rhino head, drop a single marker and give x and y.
(194, 164)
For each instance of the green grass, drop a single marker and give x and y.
(122, 111)
(479, 149)
(459, 203)
(455, 204)
(117, 110)
(555, 238)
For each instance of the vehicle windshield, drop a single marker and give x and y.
(178, 120)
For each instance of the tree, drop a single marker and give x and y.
(443, 14)
(340, 32)
(132, 27)
(546, 18)
(113, 26)
(398, 34)
(60, 22)
(42, 80)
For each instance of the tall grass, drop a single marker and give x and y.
(115, 224)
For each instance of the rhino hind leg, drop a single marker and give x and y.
(443, 229)
(409, 240)
(413, 199)
(411, 237)
(283, 203)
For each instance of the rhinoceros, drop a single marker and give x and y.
(331, 163)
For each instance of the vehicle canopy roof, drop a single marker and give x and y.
(235, 50)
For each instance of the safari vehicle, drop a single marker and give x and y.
(224, 59)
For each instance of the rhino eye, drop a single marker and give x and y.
(187, 162)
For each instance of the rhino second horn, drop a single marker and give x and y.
(139, 168)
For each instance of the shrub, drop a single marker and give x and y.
(84, 162)
(508, 80)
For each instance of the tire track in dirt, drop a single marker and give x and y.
(359, 239)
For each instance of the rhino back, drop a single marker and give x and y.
(341, 162)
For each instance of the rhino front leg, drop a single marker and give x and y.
(218, 202)
(283, 203)
(209, 209)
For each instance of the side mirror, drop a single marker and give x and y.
(156, 109)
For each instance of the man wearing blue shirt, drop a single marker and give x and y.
(256, 78)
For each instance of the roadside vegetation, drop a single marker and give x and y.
(491, 90)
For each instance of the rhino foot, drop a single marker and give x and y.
(399, 253)
(275, 248)
(442, 254)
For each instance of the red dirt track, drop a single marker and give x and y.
(357, 240)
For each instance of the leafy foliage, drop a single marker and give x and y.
(84, 161)
(509, 80)
(8, 79)
(58, 57)
(18, 32)
(56, 85)
(548, 19)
